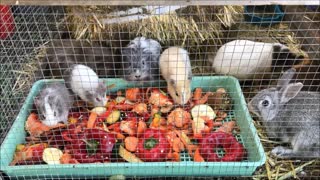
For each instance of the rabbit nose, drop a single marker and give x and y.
(138, 76)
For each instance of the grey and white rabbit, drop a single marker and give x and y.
(85, 83)
(63, 53)
(291, 115)
(140, 60)
(245, 59)
(53, 104)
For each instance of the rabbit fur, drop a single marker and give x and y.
(291, 115)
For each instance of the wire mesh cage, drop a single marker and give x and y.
(159, 89)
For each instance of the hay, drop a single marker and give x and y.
(275, 168)
(26, 76)
(190, 26)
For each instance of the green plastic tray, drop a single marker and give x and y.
(248, 137)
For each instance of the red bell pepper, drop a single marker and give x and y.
(94, 145)
(153, 146)
(7, 25)
(234, 151)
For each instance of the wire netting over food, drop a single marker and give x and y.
(158, 91)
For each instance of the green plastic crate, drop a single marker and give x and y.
(248, 137)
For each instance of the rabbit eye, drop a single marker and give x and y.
(177, 94)
(97, 99)
(142, 62)
(265, 103)
(54, 113)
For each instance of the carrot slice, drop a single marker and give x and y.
(197, 156)
(197, 94)
(131, 143)
(92, 119)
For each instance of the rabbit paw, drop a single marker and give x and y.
(282, 152)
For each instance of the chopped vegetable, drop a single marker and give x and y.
(92, 145)
(227, 127)
(34, 126)
(198, 125)
(120, 99)
(128, 156)
(203, 110)
(197, 156)
(197, 94)
(92, 120)
(99, 110)
(132, 94)
(234, 151)
(153, 146)
(113, 117)
(131, 143)
(140, 108)
(52, 155)
(179, 117)
(29, 153)
(128, 127)
(142, 126)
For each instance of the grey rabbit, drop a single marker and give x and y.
(53, 104)
(63, 53)
(140, 60)
(291, 115)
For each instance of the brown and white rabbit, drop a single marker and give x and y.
(291, 115)
(246, 59)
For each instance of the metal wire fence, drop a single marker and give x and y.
(255, 44)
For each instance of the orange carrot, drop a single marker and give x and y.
(203, 99)
(177, 145)
(227, 127)
(176, 156)
(132, 94)
(197, 156)
(131, 143)
(120, 136)
(92, 119)
(191, 148)
(197, 94)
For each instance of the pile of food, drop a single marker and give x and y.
(137, 125)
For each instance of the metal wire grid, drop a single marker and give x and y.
(36, 29)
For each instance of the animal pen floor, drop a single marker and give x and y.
(25, 73)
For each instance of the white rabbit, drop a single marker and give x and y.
(175, 68)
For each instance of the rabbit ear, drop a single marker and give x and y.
(290, 91)
(285, 78)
